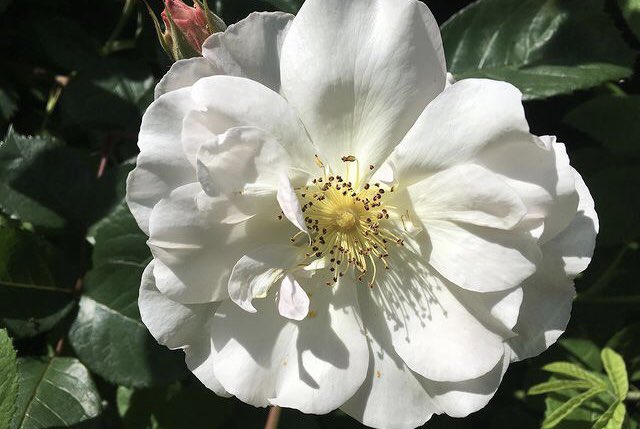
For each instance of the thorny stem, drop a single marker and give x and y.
(273, 418)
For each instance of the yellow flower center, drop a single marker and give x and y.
(349, 225)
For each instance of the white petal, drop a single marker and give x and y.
(481, 259)
(184, 73)
(360, 72)
(575, 244)
(549, 295)
(242, 160)
(431, 329)
(290, 204)
(391, 396)
(541, 176)
(467, 193)
(251, 47)
(465, 397)
(199, 358)
(161, 165)
(258, 270)
(227, 102)
(467, 116)
(180, 326)
(293, 301)
(544, 315)
(172, 324)
(195, 251)
(314, 365)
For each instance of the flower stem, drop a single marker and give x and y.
(273, 418)
(633, 396)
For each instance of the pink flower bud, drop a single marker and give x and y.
(191, 21)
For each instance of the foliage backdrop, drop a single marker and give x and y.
(74, 82)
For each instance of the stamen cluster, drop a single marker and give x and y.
(348, 225)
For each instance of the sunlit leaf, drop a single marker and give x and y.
(55, 392)
(558, 385)
(565, 409)
(573, 370)
(617, 372)
(544, 47)
(8, 379)
(612, 418)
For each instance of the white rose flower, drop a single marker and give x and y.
(334, 225)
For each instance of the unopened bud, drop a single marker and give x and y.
(186, 28)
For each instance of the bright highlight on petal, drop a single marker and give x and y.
(337, 223)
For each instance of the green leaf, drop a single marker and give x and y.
(8, 379)
(558, 385)
(108, 322)
(54, 392)
(36, 283)
(612, 418)
(584, 351)
(627, 342)
(113, 95)
(50, 185)
(552, 419)
(581, 417)
(179, 405)
(631, 12)
(617, 372)
(573, 370)
(8, 104)
(291, 6)
(611, 120)
(543, 47)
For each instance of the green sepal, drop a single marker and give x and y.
(215, 24)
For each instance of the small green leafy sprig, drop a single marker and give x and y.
(585, 386)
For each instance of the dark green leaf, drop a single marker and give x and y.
(583, 351)
(544, 47)
(8, 379)
(552, 419)
(113, 95)
(291, 6)
(558, 385)
(187, 405)
(617, 372)
(620, 222)
(54, 392)
(631, 11)
(36, 283)
(62, 41)
(612, 120)
(108, 335)
(7, 104)
(48, 184)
